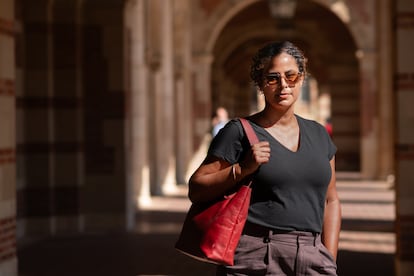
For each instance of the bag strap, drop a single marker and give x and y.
(251, 135)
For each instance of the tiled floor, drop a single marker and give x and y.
(367, 241)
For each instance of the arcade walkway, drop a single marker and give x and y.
(367, 241)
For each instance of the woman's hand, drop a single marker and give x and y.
(215, 176)
(259, 154)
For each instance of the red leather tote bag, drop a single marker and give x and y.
(211, 231)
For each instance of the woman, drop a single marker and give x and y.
(294, 216)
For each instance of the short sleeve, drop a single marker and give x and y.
(326, 143)
(331, 146)
(229, 142)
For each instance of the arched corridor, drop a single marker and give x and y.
(106, 107)
(333, 66)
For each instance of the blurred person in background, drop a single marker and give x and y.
(220, 119)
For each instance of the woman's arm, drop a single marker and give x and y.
(216, 176)
(332, 216)
(211, 180)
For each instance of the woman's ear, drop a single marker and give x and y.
(302, 79)
(260, 87)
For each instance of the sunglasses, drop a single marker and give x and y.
(291, 78)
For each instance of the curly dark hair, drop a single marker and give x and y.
(261, 61)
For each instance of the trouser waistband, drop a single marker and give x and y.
(268, 234)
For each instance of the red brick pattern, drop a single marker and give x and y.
(7, 27)
(405, 20)
(7, 87)
(7, 156)
(405, 81)
(35, 202)
(405, 231)
(7, 238)
(209, 5)
(405, 152)
(48, 102)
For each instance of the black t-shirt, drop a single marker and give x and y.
(289, 191)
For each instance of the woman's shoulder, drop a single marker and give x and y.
(308, 122)
(232, 128)
(311, 125)
(234, 123)
(229, 143)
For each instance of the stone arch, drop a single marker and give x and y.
(224, 15)
(355, 124)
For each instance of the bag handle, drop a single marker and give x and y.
(253, 139)
(251, 135)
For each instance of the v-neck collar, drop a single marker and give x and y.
(263, 131)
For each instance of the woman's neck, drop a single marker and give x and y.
(270, 117)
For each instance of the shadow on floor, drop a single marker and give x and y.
(128, 255)
(151, 252)
(365, 264)
(112, 255)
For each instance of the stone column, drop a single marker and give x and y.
(67, 72)
(165, 129)
(50, 111)
(8, 259)
(79, 113)
(183, 102)
(404, 99)
(385, 90)
(138, 185)
(202, 96)
(369, 123)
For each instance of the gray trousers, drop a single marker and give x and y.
(292, 254)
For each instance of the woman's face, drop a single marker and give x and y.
(282, 83)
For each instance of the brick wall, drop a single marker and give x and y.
(8, 260)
